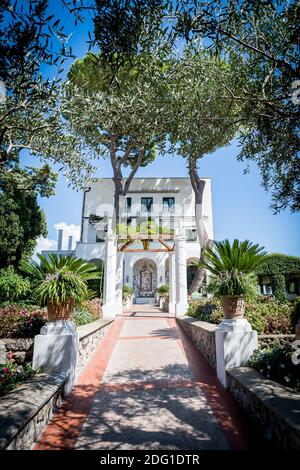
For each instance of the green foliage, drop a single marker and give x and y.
(95, 286)
(12, 286)
(62, 278)
(87, 312)
(277, 263)
(127, 292)
(19, 322)
(268, 66)
(30, 113)
(163, 290)
(277, 266)
(147, 228)
(12, 374)
(206, 310)
(275, 363)
(266, 315)
(82, 316)
(232, 265)
(21, 223)
(278, 287)
(124, 30)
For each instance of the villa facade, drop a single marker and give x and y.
(168, 202)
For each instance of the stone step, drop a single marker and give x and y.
(144, 300)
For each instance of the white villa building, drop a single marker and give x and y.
(168, 202)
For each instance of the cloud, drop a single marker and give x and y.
(45, 244)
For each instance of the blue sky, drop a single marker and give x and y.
(240, 205)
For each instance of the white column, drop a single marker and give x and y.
(119, 282)
(235, 343)
(110, 264)
(56, 350)
(181, 281)
(172, 282)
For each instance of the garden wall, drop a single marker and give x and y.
(25, 411)
(90, 336)
(274, 409)
(203, 336)
(22, 349)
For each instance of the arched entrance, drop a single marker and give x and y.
(144, 281)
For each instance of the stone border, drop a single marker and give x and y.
(202, 335)
(273, 408)
(90, 336)
(25, 412)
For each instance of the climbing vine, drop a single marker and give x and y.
(277, 267)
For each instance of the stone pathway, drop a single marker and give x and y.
(147, 387)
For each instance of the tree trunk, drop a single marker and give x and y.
(198, 187)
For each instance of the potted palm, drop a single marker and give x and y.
(232, 267)
(61, 282)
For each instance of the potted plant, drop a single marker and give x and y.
(162, 292)
(127, 293)
(232, 267)
(61, 282)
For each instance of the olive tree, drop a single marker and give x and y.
(203, 121)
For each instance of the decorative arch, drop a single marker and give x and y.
(145, 278)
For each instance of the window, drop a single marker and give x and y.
(168, 204)
(147, 203)
(128, 205)
(191, 234)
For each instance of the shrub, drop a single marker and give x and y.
(12, 286)
(279, 287)
(87, 312)
(93, 306)
(275, 363)
(127, 292)
(18, 322)
(82, 316)
(206, 310)
(266, 316)
(163, 290)
(269, 316)
(11, 374)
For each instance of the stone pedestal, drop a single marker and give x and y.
(109, 288)
(56, 350)
(181, 280)
(235, 343)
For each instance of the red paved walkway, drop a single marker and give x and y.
(147, 387)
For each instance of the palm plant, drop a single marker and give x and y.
(232, 267)
(61, 282)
